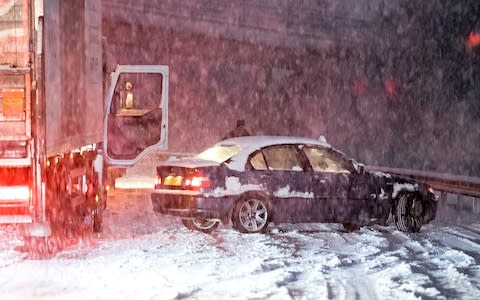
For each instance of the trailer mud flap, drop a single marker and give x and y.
(136, 113)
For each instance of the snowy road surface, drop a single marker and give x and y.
(143, 256)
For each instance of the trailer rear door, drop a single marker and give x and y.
(136, 113)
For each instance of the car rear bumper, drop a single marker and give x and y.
(191, 206)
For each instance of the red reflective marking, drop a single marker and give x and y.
(473, 39)
(360, 87)
(390, 86)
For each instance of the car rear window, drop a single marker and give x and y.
(220, 152)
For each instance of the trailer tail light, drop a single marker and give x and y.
(13, 102)
(15, 193)
(13, 149)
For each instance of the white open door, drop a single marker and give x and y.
(136, 113)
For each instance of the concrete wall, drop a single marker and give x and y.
(334, 67)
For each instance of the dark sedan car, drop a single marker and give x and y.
(252, 181)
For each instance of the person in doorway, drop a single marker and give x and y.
(129, 95)
(240, 130)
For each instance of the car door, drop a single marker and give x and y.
(282, 171)
(331, 176)
(367, 196)
(136, 113)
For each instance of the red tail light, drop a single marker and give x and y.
(197, 182)
(158, 182)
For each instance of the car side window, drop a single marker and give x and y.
(258, 162)
(282, 158)
(322, 160)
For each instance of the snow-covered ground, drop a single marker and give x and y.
(144, 256)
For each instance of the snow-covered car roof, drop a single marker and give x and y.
(259, 141)
(249, 144)
(246, 146)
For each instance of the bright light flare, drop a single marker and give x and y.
(197, 182)
(473, 40)
(14, 193)
(390, 86)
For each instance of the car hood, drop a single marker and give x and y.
(404, 183)
(393, 178)
(188, 162)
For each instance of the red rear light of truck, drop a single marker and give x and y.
(13, 149)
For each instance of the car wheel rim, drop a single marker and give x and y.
(416, 214)
(253, 215)
(203, 223)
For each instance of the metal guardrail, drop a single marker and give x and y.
(466, 188)
(461, 191)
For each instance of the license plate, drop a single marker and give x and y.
(173, 180)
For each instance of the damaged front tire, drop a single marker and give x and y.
(409, 212)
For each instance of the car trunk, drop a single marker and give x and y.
(181, 178)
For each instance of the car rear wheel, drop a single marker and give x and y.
(252, 214)
(203, 225)
(409, 212)
(351, 227)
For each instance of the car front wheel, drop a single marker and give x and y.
(409, 212)
(350, 227)
(252, 214)
(203, 225)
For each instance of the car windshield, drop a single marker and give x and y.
(220, 152)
